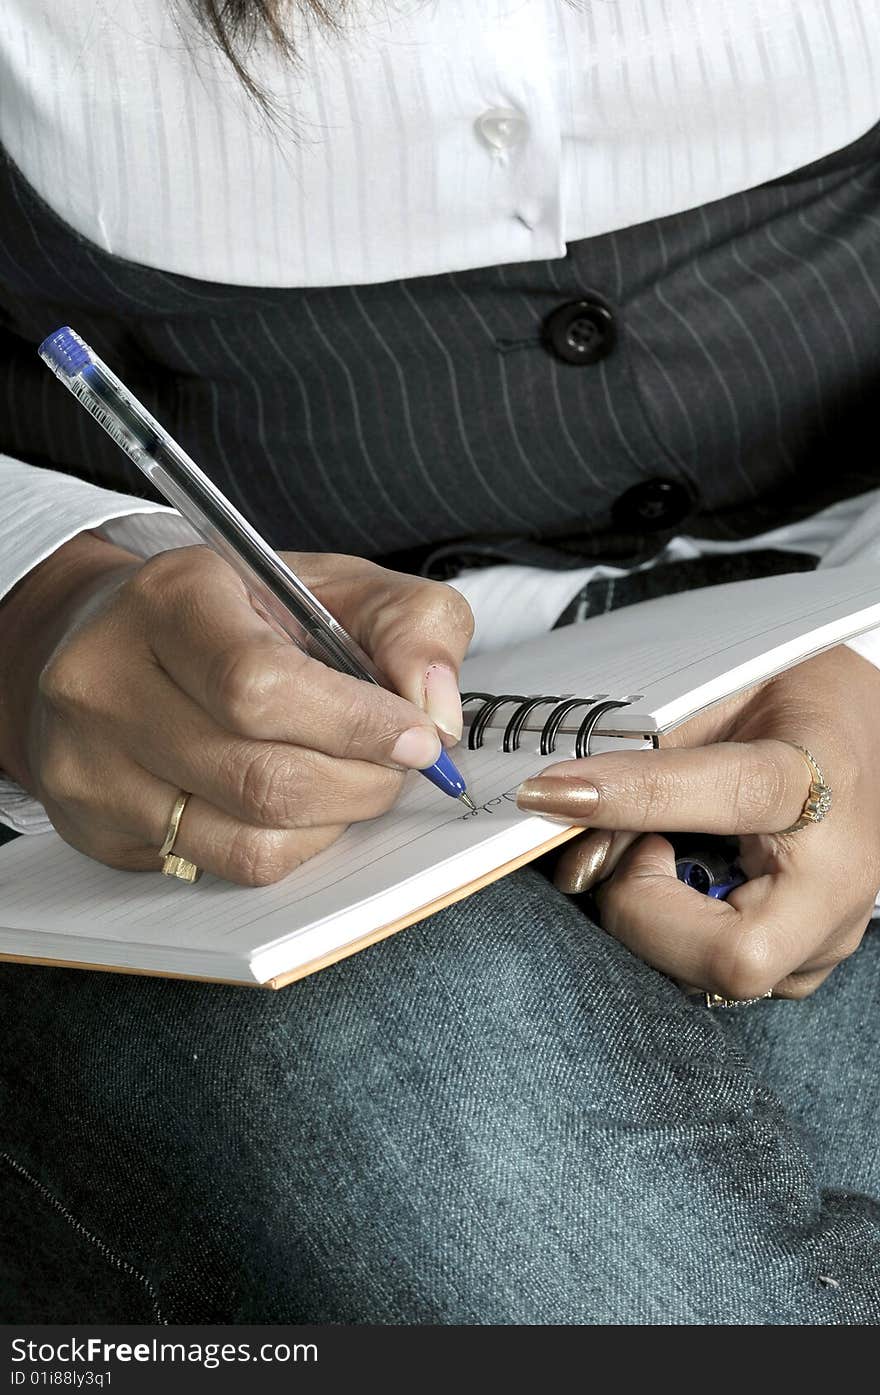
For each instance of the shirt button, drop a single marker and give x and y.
(580, 331)
(652, 506)
(502, 127)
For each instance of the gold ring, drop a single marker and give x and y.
(174, 824)
(818, 800)
(172, 865)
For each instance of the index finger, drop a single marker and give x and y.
(728, 787)
(209, 640)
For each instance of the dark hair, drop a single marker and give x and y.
(237, 26)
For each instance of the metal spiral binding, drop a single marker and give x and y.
(513, 730)
(557, 717)
(491, 703)
(588, 725)
(599, 704)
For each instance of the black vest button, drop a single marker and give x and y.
(652, 506)
(581, 331)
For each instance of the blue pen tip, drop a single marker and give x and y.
(64, 351)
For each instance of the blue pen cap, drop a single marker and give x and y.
(710, 874)
(65, 353)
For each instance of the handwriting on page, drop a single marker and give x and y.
(492, 806)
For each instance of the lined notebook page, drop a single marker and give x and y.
(684, 652)
(59, 904)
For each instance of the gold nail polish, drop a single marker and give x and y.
(580, 866)
(561, 799)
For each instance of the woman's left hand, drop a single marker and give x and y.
(810, 894)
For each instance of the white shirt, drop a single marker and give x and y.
(429, 137)
(425, 139)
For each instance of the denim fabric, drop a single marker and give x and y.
(497, 1116)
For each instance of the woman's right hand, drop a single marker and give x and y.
(130, 681)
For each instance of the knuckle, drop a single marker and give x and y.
(746, 968)
(258, 857)
(244, 685)
(368, 726)
(272, 785)
(64, 683)
(436, 611)
(182, 583)
(649, 792)
(760, 784)
(164, 575)
(61, 775)
(449, 610)
(345, 800)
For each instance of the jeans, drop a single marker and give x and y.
(497, 1116)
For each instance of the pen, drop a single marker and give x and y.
(705, 869)
(287, 599)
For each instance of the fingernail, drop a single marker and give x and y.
(563, 799)
(443, 700)
(581, 865)
(416, 748)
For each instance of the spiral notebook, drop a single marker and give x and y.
(624, 678)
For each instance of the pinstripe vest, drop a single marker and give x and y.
(433, 421)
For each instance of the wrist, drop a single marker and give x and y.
(34, 618)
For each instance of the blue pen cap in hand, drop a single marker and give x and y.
(709, 873)
(65, 353)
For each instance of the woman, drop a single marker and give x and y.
(493, 293)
